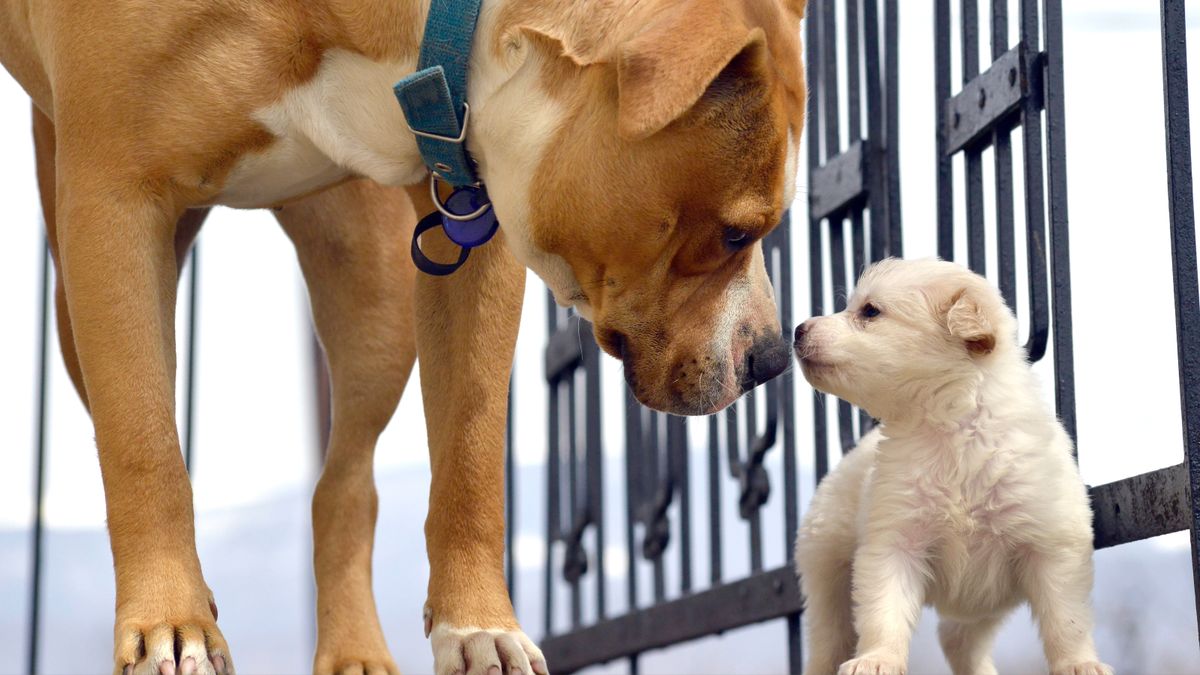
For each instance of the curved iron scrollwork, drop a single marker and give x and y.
(657, 533)
(575, 562)
(753, 481)
(658, 527)
(573, 351)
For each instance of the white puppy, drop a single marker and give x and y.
(966, 498)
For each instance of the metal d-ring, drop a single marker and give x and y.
(441, 206)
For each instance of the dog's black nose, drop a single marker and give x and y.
(766, 358)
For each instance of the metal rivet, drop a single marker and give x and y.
(444, 168)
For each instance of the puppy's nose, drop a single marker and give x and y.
(801, 333)
(766, 358)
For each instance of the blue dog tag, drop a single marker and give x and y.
(476, 231)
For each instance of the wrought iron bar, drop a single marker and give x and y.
(677, 446)
(973, 157)
(656, 498)
(574, 557)
(1060, 245)
(39, 449)
(633, 496)
(890, 111)
(781, 398)
(945, 168)
(595, 460)
(510, 499)
(553, 460)
(757, 486)
(760, 597)
(1140, 507)
(1183, 255)
(714, 499)
(189, 396)
(1006, 245)
(1035, 198)
(815, 271)
(841, 288)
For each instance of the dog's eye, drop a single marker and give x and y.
(736, 239)
(869, 311)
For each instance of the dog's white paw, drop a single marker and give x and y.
(1084, 668)
(873, 665)
(482, 651)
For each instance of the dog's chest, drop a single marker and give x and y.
(342, 123)
(973, 573)
(971, 508)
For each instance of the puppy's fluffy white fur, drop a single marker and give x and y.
(966, 497)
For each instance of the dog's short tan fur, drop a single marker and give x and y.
(636, 151)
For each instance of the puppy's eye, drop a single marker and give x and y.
(869, 311)
(736, 239)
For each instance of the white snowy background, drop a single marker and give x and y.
(256, 461)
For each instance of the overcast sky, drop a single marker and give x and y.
(255, 439)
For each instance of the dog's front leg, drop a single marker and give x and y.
(466, 333)
(1058, 583)
(889, 589)
(116, 247)
(353, 245)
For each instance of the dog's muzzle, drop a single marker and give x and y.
(766, 359)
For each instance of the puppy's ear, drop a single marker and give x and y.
(663, 70)
(967, 321)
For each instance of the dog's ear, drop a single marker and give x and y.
(556, 41)
(968, 321)
(663, 70)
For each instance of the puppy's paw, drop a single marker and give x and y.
(873, 665)
(187, 644)
(1084, 668)
(481, 651)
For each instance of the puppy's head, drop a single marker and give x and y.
(912, 331)
(676, 130)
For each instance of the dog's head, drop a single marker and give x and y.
(674, 130)
(912, 330)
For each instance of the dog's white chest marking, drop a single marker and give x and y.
(343, 122)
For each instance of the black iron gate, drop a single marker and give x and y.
(854, 218)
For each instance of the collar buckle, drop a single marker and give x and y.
(462, 135)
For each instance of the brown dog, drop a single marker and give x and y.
(636, 151)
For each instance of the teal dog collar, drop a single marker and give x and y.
(434, 101)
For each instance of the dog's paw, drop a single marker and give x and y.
(189, 645)
(1084, 668)
(381, 664)
(480, 651)
(352, 647)
(873, 665)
